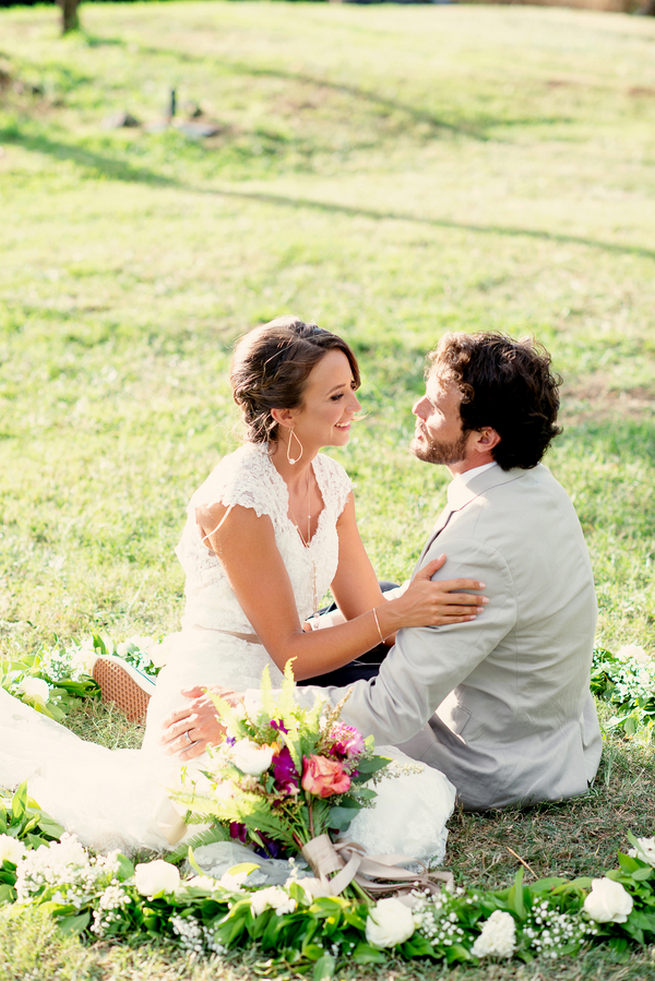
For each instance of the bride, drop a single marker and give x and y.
(267, 534)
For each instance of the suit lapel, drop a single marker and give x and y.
(466, 493)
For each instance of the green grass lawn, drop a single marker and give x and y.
(390, 172)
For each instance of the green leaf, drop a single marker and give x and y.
(7, 893)
(365, 954)
(516, 896)
(74, 924)
(324, 967)
(19, 802)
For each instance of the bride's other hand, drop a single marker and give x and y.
(440, 602)
(189, 731)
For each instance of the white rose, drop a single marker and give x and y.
(645, 850)
(83, 660)
(201, 882)
(632, 652)
(11, 849)
(154, 877)
(314, 888)
(251, 758)
(35, 689)
(608, 901)
(272, 897)
(390, 922)
(498, 936)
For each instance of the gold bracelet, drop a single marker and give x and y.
(377, 624)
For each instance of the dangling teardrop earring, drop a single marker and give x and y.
(290, 458)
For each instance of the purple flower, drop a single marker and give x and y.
(278, 724)
(238, 831)
(285, 775)
(347, 743)
(270, 848)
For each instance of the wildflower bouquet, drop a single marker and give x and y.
(285, 777)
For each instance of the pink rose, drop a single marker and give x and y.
(324, 777)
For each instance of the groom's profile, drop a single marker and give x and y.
(501, 704)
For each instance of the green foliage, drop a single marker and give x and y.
(22, 818)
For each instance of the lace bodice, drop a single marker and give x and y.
(248, 478)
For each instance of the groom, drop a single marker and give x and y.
(501, 704)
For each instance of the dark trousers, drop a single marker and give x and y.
(365, 666)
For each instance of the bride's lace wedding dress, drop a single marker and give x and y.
(119, 798)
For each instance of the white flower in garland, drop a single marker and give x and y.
(498, 936)
(632, 652)
(154, 877)
(608, 901)
(645, 850)
(11, 849)
(35, 690)
(390, 922)
(273, 897)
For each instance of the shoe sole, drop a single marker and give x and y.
(122, 689)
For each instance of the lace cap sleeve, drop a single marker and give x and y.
(242, 478)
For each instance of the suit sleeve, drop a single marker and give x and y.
(427, 663)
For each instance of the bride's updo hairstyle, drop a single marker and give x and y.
(270, 368)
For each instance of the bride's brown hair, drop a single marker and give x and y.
(271, 365)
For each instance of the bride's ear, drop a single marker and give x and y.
(283, 417)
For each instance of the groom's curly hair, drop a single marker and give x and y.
(506, 384)
(270, 368)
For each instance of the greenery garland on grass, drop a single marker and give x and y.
(105, 897)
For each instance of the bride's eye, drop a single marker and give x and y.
(335, 398)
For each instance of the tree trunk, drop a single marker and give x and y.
(69, 19)
(648, 9)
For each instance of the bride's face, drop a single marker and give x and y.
(329, 403)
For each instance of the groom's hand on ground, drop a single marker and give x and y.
(189, 731)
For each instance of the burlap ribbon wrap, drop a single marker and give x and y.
(337, 864)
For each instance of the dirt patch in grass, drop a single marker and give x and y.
(597, 399)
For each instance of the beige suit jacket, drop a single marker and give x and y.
(500, 704)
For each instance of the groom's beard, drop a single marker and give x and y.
(439, 451)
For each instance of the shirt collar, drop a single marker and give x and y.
(458, 487)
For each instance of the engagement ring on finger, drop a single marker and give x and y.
(188, 738)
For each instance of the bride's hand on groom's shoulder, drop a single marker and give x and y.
(441, 602)
(189, 731)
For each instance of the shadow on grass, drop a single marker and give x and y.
(246, 68)
(116, 168)
(503, 230)
(436, 123)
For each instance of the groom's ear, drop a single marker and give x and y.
(486, 439)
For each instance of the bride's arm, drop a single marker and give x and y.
(246, 546)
